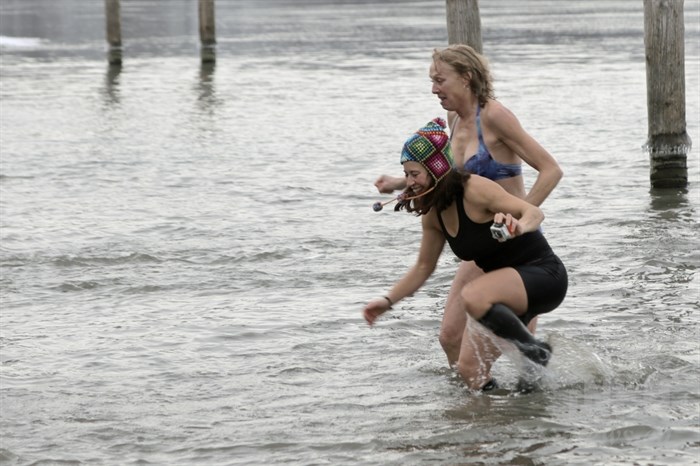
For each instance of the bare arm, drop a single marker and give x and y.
(388, 184)
(488, 200)
(431, 247)
(509, 131)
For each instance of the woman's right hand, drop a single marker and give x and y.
(386, 184)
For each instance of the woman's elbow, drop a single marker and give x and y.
(535, 215)
(425, 270)
(556, 174)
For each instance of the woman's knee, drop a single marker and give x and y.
(453, 320)
(473, 302)
(450, 336)
(499, 286)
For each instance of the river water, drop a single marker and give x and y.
(186, 250)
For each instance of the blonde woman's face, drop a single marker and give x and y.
(448, 85)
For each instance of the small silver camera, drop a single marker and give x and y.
(500, 232)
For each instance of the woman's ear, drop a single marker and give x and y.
(467, 79)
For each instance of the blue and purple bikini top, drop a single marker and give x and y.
(483, 164)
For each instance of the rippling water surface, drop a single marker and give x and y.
(186, 249)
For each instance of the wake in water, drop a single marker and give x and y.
(572, 365)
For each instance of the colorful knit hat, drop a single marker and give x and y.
(430, 146)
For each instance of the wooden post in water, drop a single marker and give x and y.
(207, 30)
(464, 23)
(114, 32)
(668, 142)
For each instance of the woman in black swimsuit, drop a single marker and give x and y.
(523, 277)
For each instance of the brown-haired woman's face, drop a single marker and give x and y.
(418, 179)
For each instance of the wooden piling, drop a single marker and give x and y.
(114, 32)
(464, 23)
(668, 142)
(207, 30)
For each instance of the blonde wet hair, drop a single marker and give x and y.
(471, 65)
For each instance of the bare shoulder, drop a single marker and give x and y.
(498, 117)
(479, 183)
(430, 220)
(481, 190)
(480, 195)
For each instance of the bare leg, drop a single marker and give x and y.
(476, 356)
(454, 319)
(478, 351)
(469, 348)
